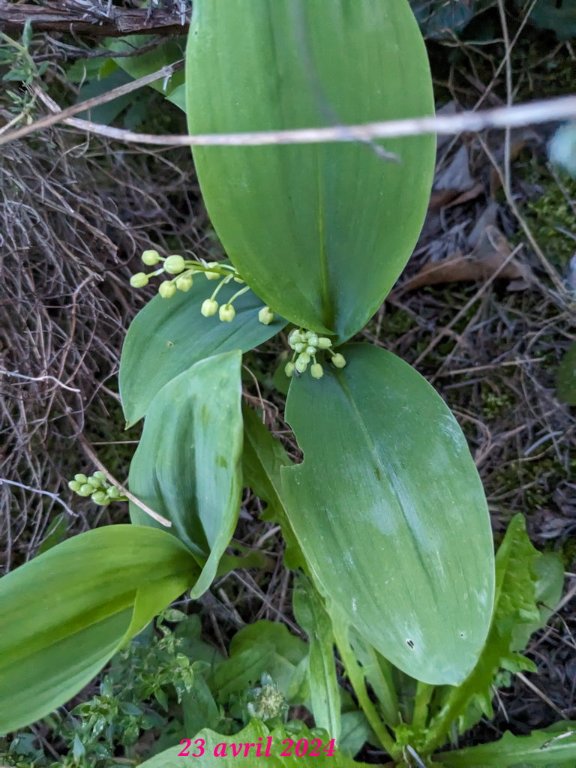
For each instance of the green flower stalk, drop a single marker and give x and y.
(306, 345)
(184, 270)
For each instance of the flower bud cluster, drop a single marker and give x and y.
(97, 487)
(184, 271)
(306, 345)
(267, 702)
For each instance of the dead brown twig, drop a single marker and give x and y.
(91, 19)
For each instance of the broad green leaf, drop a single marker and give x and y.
(263, 648)
(55, 534)
(324, 690)
(187, 465)
(517, 614)
(170, 335)
(64, 614)
(390, 513)
(152, 59)
(198, 705)
(566, 377)
(319, 231)
(255, 735)
(551, 748)
(105, 114)
(557, 15)
(354, 733)
(440, 19)
(262, 459)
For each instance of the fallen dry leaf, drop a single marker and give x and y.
(491, 256)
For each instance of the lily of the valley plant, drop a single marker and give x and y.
(385, 518)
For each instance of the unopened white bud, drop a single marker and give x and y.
(101, 498)
(209, 308)
(339, 360)
(266, 316)
(302, 363)
(226, 313)
(184, 283)
(289, 369)
(151, 258)
(167, 289)
(324, 342)
(295, 337)
(317, 371)
(174, 265)
(139, 280)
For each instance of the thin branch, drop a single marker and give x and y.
(39, 378)
(509, 95)
(89, 18)
(535, 112)
(53, 496)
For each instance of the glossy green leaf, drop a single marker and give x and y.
(255, 734)
(552, 748)
(199, 707)
(354, 733)
(170, 335)
(187, 466)
(390, 513)
(324, 690)
(264, 647)
(522, 581)
(319, 231)
(65, 613)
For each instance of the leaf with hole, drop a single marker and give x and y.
(390, 514)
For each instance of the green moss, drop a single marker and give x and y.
(536, 480)
(495, 403)
(551, 215)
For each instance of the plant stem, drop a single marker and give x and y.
(422, 698)
(356, 677)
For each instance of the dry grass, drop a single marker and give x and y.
(74, 213)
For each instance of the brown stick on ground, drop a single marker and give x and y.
(89, 18)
